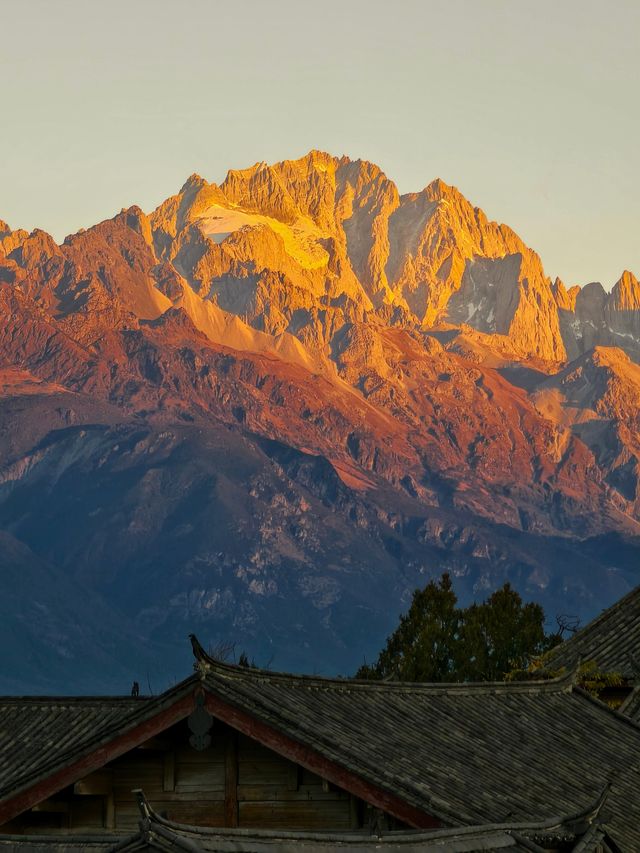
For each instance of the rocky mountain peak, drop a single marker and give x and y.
(135, 218)
(625, 295)
(193, 182)
(260, 189)
(322, 159)
(562, 296)
(34, 249)
(438, 190)
(358, 387)
(609, 357)
(593, 291)
(338, 227)
(308, 245)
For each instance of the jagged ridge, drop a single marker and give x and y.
(395, 366)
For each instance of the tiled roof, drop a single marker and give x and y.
(61, 844)
(38, 735)
(40, 732)
(554, 833)
(612, 639)
(157, 833)
(467, 754)
(631, 705)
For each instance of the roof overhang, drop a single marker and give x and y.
(157, 720)
(164, 712)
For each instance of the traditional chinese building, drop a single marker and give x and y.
(612, 642)
(236, 758)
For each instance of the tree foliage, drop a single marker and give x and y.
(438, 641)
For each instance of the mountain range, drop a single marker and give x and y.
(271, 408)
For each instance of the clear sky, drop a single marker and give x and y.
(531, 108)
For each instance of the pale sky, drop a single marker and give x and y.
(532, 109)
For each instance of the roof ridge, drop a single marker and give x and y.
(77, 698)
(207, 665)
(632, 699)
(604, 616)
(560, 683)
(580, 691)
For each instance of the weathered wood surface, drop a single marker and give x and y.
(231, 779)
(235, 782)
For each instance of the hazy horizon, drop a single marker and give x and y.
(527, 109)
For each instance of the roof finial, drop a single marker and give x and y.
(198, 650)
(204, 662)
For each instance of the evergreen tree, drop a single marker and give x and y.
(437, 641)
(499, 635)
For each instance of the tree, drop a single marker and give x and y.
(438, 641)
(500, 635)
(422, 648)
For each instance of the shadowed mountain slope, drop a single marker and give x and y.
(277, 405)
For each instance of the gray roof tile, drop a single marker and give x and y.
(466, 753)
(612, 639)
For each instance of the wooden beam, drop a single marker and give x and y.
(52, 807)
(319, 764)
(98, 757)
(100, 782)
(293, 777)
(231, 780)
(110, 812)
(354, 812)
(169, 771)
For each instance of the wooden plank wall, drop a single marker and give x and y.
(273, 793)
(234, 782)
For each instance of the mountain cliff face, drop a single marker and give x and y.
(590, 317)
(598, 397)
(271, 408)
(306, 246)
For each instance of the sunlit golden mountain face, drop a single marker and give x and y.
(277, 405)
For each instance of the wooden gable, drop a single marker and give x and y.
(234, 781)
